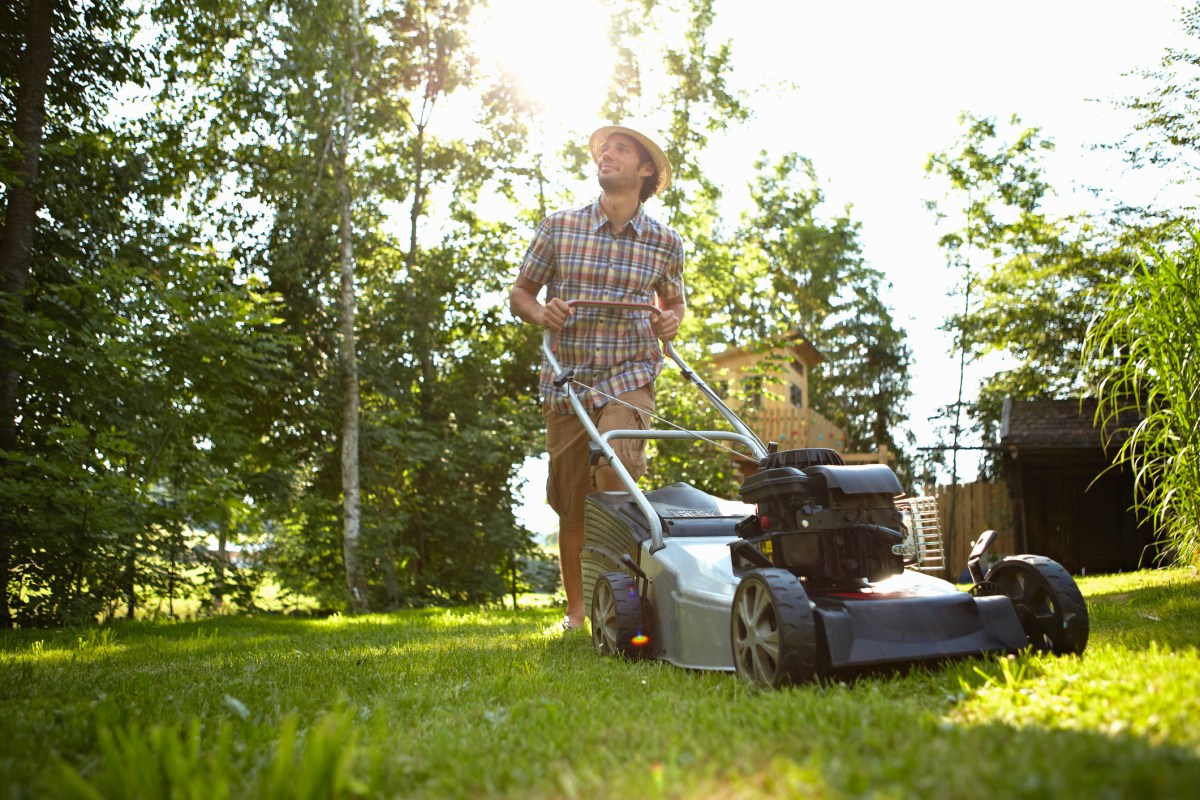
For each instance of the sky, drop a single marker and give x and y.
(882, 85)
(867, 90)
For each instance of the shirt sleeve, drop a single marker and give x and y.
(541, 260)
(670, 287)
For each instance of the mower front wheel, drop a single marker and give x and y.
(617, 619)
(1051, 607)
(772, 630)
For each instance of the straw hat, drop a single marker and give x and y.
(656, 154)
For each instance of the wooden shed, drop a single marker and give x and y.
(1068, 502)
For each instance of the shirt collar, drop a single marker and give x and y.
(599, 218)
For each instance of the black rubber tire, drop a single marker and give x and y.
(616, 614)
(1051, 608)
(772, 629)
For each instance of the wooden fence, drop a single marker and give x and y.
(967, 510)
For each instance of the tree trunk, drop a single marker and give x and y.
(218, 590)
(512, 574)
(171, 585)
(130, 584)
(391, 582)
(16, 240)
(351, 500)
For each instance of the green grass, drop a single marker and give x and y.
(463, 703)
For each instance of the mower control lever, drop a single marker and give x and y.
(977, 552)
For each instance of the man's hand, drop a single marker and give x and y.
(524, 304)
(554, 314)
(665, 325)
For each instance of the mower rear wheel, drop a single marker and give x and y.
(1049, 604)
(772, 629)
(617, 619)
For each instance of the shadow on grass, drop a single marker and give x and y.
(253, 632)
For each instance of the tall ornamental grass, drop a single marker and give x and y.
(1141, 356)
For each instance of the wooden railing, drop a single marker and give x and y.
(794, 428)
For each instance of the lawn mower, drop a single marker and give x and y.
(819, 568)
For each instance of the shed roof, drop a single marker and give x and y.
(1058, 425)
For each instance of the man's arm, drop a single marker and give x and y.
(523, 302)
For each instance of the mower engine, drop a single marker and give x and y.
(830, 524)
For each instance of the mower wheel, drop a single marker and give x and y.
(617, 619)
(1049, 604)
(772, 629)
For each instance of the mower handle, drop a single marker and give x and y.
(617, 304)
(551, 341)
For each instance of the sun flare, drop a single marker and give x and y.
(557, 50)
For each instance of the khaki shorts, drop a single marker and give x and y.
(572, 478)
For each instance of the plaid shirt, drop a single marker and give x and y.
(577, 256)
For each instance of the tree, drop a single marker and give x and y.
(1168, 128)
(995, 190)
(424, 294)
(813, 279)
(348, 340)
(29, 63)
(701, 104)
(99, 368)
(863, 386)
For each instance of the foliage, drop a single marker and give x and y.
(176, 338)
(139, 353)
(437, 451)
(1168, 111)
(468, 703)
(1027, 280)
(1142, 361)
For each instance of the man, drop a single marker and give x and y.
(609, 250)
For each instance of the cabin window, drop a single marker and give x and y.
(797, 396)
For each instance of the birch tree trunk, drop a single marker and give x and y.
(348, 357)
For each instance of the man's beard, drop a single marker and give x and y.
(615, 182)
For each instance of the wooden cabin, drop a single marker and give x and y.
(768, 387)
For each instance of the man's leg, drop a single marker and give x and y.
(632, 452)
(570, 542)
(566, 489)
(572, 478)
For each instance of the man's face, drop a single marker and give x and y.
(620, 166)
